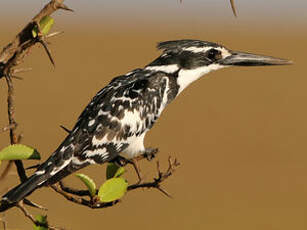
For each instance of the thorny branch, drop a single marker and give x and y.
(20, 205)
(162, 176)
(76, 196)
(10, 57)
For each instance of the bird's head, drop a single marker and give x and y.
(192, 59)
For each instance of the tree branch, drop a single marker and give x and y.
(12, 122)
(8, 127)
(11, 56)
(14, 52)
(27, 214)
(3, 220)
(76, 196)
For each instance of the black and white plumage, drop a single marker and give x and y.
(116, 120)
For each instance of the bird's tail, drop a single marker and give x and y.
(22, 190)
(54, 169)
(46, 174)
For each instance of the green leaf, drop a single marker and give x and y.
(45, 25)
(42, 220)
(19, 152)
(89, 183)
(119, 172)
(112, 189)
(113, 170)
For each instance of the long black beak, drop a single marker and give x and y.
(247, 59)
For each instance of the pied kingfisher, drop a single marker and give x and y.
(117, 119)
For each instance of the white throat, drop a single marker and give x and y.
(187, 76)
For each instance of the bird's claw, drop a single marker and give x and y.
(121, 161)
(150, 153)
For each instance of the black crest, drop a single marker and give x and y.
(178, 45)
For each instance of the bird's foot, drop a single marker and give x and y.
(121, 161)
(150, 153)
(137, 169)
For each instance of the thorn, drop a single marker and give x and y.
(34, 205)
(40, 38)
(176, 163)
(21, 70)
(232, 3)
(19, 138)
(164, 192)
(47, 51)
(16, 77)
(169, 160)
(64, 7)
(66, 129)
(54, 34)
(9, 127)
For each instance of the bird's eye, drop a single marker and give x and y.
(214, 54)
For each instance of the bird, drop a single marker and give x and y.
(113, 125)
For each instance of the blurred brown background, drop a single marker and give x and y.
(240, 133)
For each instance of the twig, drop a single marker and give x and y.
(21, 70)
(34, 205)
(94, 204)
(11, 116)
(73, 191)
(44, 44)
(6, 170)
(162, 176)
(7, 128)
(30, 217)
(75, 195)
(232, 3)
(54, 34)
(26, 213)
(16, 77)
(2, 219)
